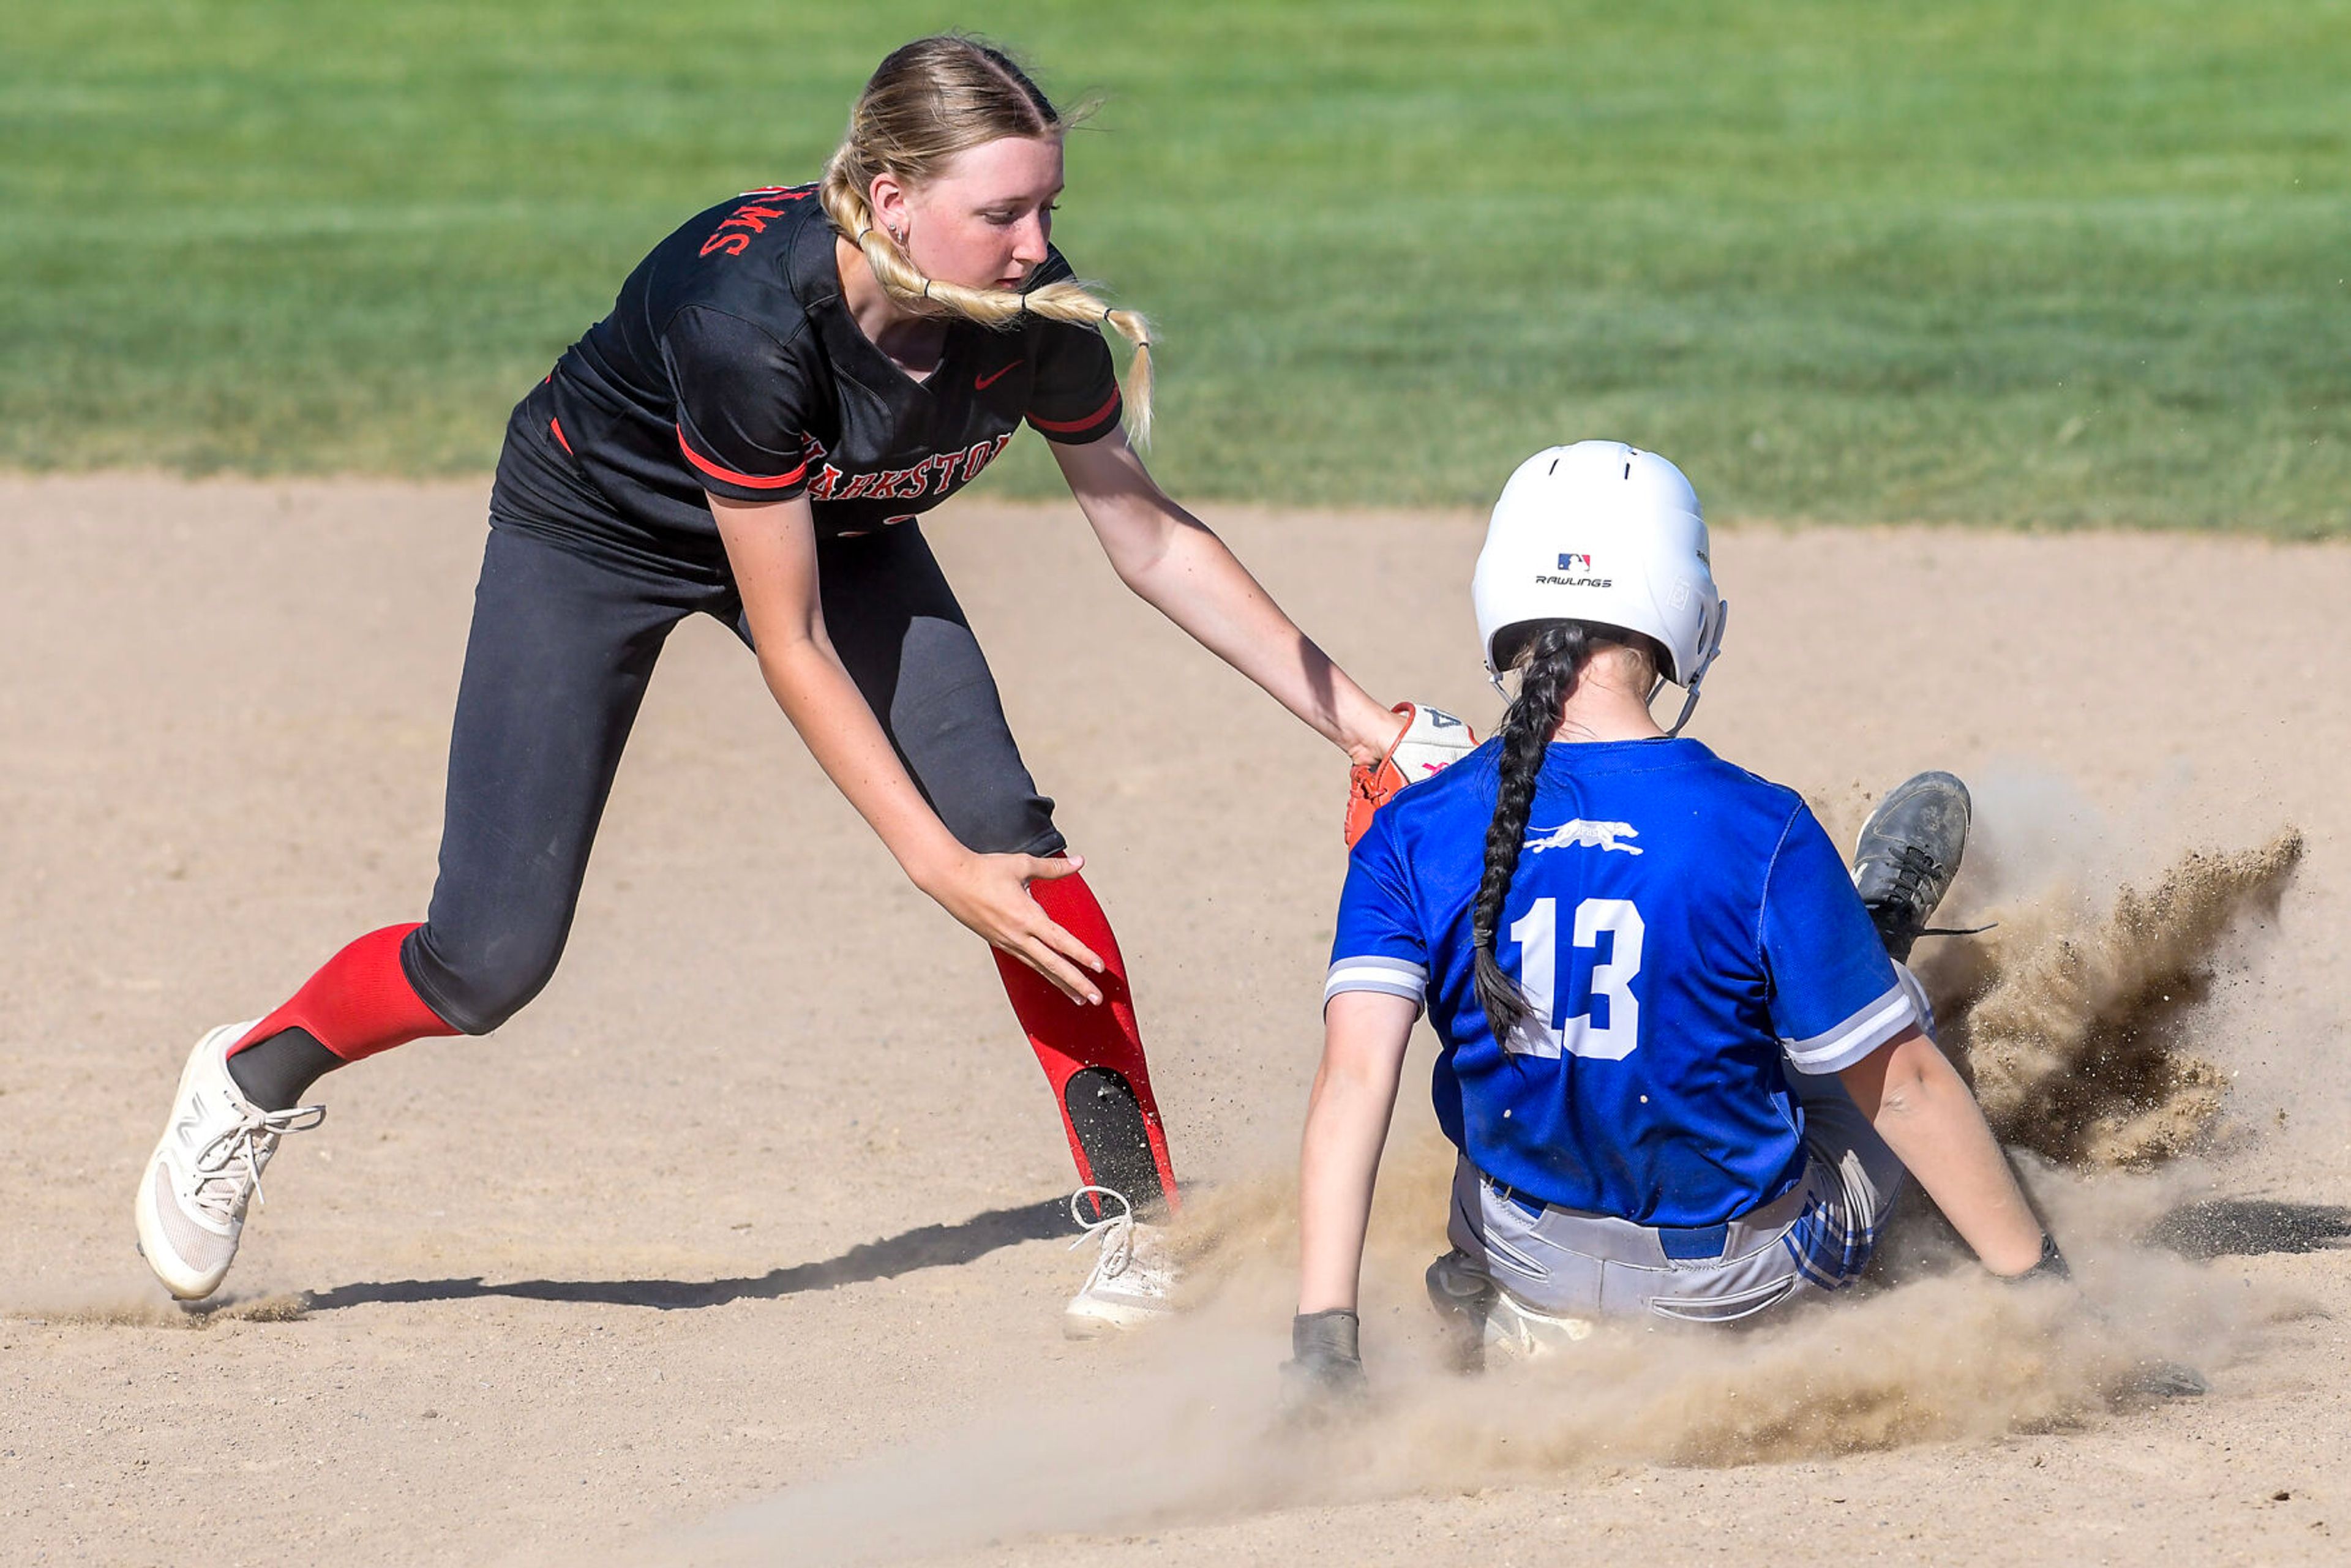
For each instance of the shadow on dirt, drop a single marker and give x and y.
(2226, 1228)
(925, 1246)
(2250, 1227)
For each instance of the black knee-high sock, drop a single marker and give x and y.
(275, 1074)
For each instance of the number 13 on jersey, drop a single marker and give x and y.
(1537, 934)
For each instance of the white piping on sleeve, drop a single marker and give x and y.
(1389, 977)
(1835, 1050)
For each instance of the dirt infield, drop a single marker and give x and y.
(744, 1242)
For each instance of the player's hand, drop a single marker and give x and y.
(1429, 742)
(989, 893)
(2161, 1379)
(2151, 1374)
(1325, 1368)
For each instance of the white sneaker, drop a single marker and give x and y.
(1134, 1279)
(192, 1193)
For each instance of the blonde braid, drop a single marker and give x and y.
(1066, 300)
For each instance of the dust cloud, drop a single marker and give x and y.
(2078, 1019)
(153, 1309)
(1186, 1426)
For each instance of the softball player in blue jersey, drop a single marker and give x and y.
(1683, 1063)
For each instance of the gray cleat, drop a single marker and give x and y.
(1908, 853)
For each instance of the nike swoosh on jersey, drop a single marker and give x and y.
(989, 379)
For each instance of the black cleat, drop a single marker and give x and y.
(1908, 853)
(1464, 1297)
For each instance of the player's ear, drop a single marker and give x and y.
(885, 198)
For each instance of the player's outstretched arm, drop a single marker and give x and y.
(1176, 564)
(1923, 1110)
(1365, 1035)
(771, 546)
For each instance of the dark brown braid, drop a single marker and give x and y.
(1552, 655)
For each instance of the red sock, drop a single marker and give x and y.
(360, 1002)
(1069, 1037)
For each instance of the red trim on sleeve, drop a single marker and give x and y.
(557, 426)
(729, 476)
(1058, 426)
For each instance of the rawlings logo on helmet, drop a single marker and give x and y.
(1571, 562)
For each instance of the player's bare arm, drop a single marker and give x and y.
(1923, 1110)
(1178, 566)
(772, 548)
(1364, 1040)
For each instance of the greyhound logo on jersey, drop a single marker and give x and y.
(1581, 834)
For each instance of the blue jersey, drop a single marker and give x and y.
(1681, 929)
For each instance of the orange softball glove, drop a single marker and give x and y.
(1431, 742)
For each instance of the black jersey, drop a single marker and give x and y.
(730, 364)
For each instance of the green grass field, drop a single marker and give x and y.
(2063, 264)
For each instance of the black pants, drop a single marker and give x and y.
(564, 639)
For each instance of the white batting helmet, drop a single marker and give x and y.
(1603, 532)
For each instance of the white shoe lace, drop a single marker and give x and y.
(1116, 1230)
(229, 1167)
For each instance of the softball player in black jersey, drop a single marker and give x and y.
(782, 388)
